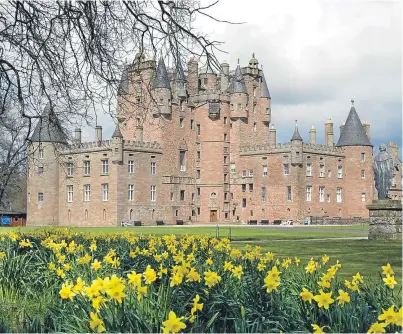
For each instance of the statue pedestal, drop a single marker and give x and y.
(385, 220)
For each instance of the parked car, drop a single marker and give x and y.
(288, 222)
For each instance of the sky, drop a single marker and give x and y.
(316, 57)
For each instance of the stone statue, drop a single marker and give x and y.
(383, 170)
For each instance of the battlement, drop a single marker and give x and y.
(322, 149)
(137, 144)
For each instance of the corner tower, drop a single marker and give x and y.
(43, 170)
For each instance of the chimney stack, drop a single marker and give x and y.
(193, 76)
(329, 136)
(367, 129)
(224, 76)
(77, 135)
(312, 135)
(98, 134)
(272, 136)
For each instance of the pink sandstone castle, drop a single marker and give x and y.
(199, 148)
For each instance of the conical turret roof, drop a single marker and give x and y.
(180, 75)
(117, 133)
(238, 82)
(161, 79)
(48, 128)
(353, 133)
(124, 82)
(296, 135)
(264, 90)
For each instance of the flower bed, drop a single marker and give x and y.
(133, 283)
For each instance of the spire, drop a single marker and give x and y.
(117, 133)
(48, 129)
(296, 135)
(238, 82)
(180, 76)
(161, 79)
(124, 81)
(353, 133)
(264, 90)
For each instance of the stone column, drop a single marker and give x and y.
(385, 220)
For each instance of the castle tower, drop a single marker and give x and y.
(272, 136)
(162, 89)
(180, 82)
(357, 183)
(296, 147)
(193, 76)
(312, 135)
(329, 135)
(117, 146)
(43, 166)
(208, 79)
(224, 77)
(265, 96)
(239, 95)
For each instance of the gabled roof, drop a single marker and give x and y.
(237, 84)
(353, 133)
(48, 128)
(264, 90)
(117, 133)
(296, 135)
(161, 79)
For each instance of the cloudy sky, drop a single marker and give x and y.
(317, 56)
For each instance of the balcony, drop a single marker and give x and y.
(245, 180)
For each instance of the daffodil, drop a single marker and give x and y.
(173, 324)
(270, 284)
(387, 270)
(325, 259)
(390, 281)
(261, 266)
(196, 305)
(96, 265)
(389, 315)
(377, 327)
(343, 297)
(227, 266)
(237, 271)
(324, 299)
(317, 329)
(96, 323)
(211, 278)
(306, 295)
(66, 291)
(150, 275)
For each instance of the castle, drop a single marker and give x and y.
(198, 147)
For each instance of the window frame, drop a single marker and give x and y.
(105, 167)
(70, 193)
(87, 192)
(105, 192)
(130, 166)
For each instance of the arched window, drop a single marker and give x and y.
(69, 215)
(104, 214)
(86, 214)
(131, 214)
(213, 195)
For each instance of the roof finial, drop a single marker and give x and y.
(238, 61)
(253, 55)
(352, 102)
(296, 123)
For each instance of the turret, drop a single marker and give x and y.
(239, 95)
(77, 136)
(43, 165)
(208, 79)
(265, 95)
(224, 78)
(98, 134)
(117, 146)
(312, 135)
(296, 147)
(272, 136)
(193, 76)
(329, 135)
(162, 89)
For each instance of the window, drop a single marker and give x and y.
(244, 202)
(339, 195)
(232, 195)
(244, 173)
(153, 168)
(254, 126)
(40, 197)
(286, 168)
(321, 194)
(130, 192)
(340, 172)
(225, 159)
(198, 211)
(198, 129)
(70, 169)
(40, 151)
(153, 193)
(104, 192)
(309, 169)
(263, 194)
(289, 198)
(69, 193)
(363, 197)
(87, 192)
(243, 188)
(328, 198)
(105, 167)
(225, 137)
(205, 81)
(363, 173)
(182, 166)
(254, 91)
(181, 122)
(308, 193)
(232, 168)
(225, 177)
(176, 213)
(322, 171)
(40, 170)
(87, 167)
(329, 173)
(198, 191)
(250, 187)
(198, 155)
(231, 106)
(29, 197)
(198, 174)
(250, 172)
(225, 120)
(264, 170)
(362, 157)
(191, 124)
(251, 213)
(182, 195)
(130, 166)
(239, 106)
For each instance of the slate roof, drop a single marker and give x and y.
(296, 135)
(237, 84)
(117, 133)
(48, 128)
(180, 75)
(264, 90)
(124, 82)
(353, 133)
(161, 79)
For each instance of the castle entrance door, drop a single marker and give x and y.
(213, 216)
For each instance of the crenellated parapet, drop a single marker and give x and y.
(86, 147)
(135, 145)
(322, 149)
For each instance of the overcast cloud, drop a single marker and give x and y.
(317, 55)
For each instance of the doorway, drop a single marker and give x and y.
(213, 216)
